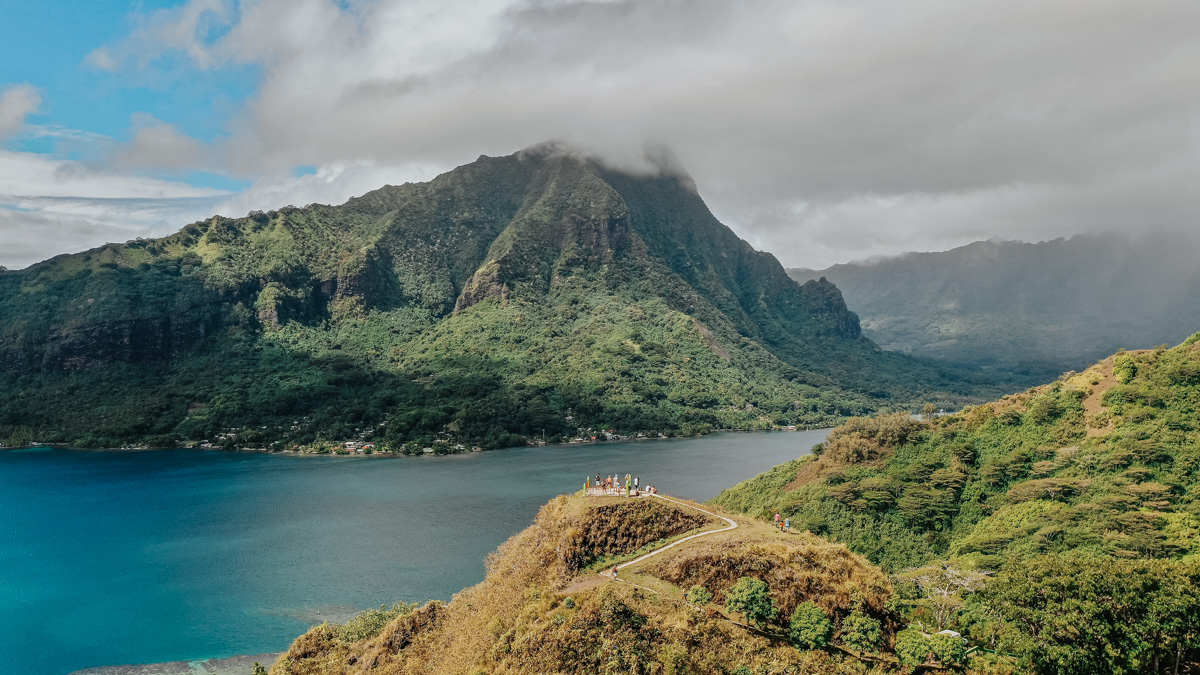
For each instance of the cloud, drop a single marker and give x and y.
(50, 206)
(158, 145)
(16, 103)
(820, 130)
(185, 29)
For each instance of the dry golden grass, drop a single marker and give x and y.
(519, 620)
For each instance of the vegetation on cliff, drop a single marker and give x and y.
(1060, 523)
(511, 297)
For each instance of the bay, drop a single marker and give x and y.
(113, 558)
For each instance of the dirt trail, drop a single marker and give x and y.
(732, 526)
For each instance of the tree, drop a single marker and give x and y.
(929, 410)
(810, 628)
(1099, 615)
(912, 647)
(861, 632)
(751, 598)
(944, 586)
(948, 649)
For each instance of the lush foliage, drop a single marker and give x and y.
(912, 646)
(862, 633)
(1069, 615)
(537, 295)
(751, 598)
(1084, 464)
(809, 627)
(1060, 524)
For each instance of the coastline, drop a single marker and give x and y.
(233, 665)
(392, 454)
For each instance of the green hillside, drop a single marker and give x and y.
(1031, 309)
(1082, 495)
(539, 292)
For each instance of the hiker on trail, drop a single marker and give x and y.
(787, 524)
(614, 573)
(776, 519)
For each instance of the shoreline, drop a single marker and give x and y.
(242, 664)
(389, 454)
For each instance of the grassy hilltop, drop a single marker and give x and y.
(544, 608)
(1073, 506)
(487, 305)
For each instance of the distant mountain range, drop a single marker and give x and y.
(513, 297)
(1036, 309)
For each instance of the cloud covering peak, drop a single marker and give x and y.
(821, 131)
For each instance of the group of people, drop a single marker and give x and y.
(784, 525)
(631, 487)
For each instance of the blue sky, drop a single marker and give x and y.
(47, 44)
(819, 130)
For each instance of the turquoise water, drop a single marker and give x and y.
(111, 558)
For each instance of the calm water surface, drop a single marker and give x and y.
(114, 558)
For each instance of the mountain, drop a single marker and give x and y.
(512, 297)
(1081, 496)
(1035, 309)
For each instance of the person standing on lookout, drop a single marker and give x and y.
(637, 482)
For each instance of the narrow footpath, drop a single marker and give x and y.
(732, 526)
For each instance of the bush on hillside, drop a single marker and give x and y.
(912, 647)
(809, 628)
(751, 598)
(862, 633)
(699, 595)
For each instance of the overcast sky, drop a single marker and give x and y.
(820, 131)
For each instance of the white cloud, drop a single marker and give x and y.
(893, 126)
(50, 206)
(156, 144)
(16, 103)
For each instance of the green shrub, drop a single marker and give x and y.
(948, 649)
(861, 632)
(809, 627)
(699, 595)
(369, 623)
(912, 647)
(1124, 368)
(751, 598)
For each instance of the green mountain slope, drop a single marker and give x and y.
(1101, 462)
(539, 292)
(1061, 525)
(1036, 309)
